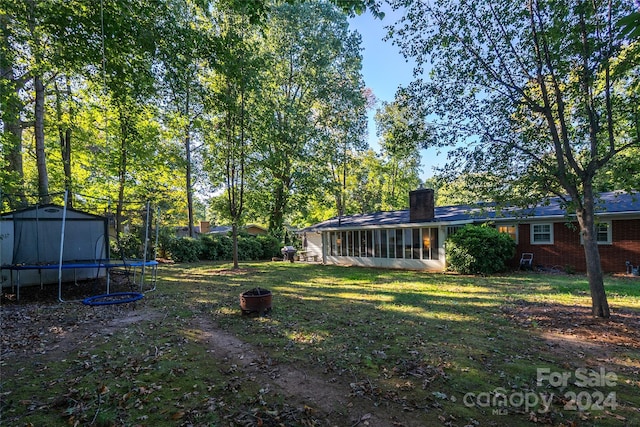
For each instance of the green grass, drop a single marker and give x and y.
(436, 347)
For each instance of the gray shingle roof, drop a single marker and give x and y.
(609, 203)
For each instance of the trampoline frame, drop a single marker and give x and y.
(107, 264)
(104, 264)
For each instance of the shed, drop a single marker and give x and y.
(30, 242)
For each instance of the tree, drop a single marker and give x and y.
(310, 70)
(403, 131)
(341, 122)
(185, 42)
(233, 87)
(542, 94)
(11, 85)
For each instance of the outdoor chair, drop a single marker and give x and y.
(526, 261)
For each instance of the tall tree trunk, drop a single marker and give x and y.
(41, 159)
(276, 219)
(13, 157)
(64, 136)
(10, 117)
(187, 148)
(189, 185)
(586, 219)
(234, 238)
(122, 170)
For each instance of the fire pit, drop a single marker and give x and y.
(256, 301)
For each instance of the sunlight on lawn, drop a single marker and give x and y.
(427, 314)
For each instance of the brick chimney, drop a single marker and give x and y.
(421, 205)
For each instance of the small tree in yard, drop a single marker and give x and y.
(479, 250)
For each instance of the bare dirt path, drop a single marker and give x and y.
(311, 389)
(38, 333)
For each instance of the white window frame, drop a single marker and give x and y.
(533, 233)
(609, 240)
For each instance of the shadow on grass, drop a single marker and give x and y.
(432, 337)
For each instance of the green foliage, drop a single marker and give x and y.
(270, 246)
(249, 248)
(219, 247)
(479, 250)
(127, 246)
(185, 249)
(165, 236)
(216, 247)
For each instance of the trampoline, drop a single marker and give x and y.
(44, 239)
(135, 267)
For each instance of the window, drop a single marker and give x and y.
(407, 243)
(383, 244)
(392, 243)
(451, 229)
(603, 230)
(429, 243)
(369, 243)
(399, 246)
(511, 230)
(363, 243)
(417, 244)
(603, 233)
(332, 244)
(355, 245)
(541, 234)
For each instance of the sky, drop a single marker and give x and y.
(384, 70)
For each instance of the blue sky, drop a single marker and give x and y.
(384, 70)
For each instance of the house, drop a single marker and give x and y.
(251, 229)
(206, 228)
(414, 238)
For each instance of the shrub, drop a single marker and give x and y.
(270, 246)
(129, 245)
(185, 249)
(249, 248)
(479, 250)
(165, 236)
(216, 247)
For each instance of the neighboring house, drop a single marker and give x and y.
(251, 229)
(206, 228)
(414, 238)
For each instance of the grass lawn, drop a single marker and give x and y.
(343, 346)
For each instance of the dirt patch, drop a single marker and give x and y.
(329, 398)
(51, 331)
(572, 332)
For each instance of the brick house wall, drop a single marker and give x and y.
(568, 251)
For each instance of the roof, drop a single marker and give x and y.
(610, 203)
(49, 211)
(223, 229)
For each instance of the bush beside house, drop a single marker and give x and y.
(479, 250)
